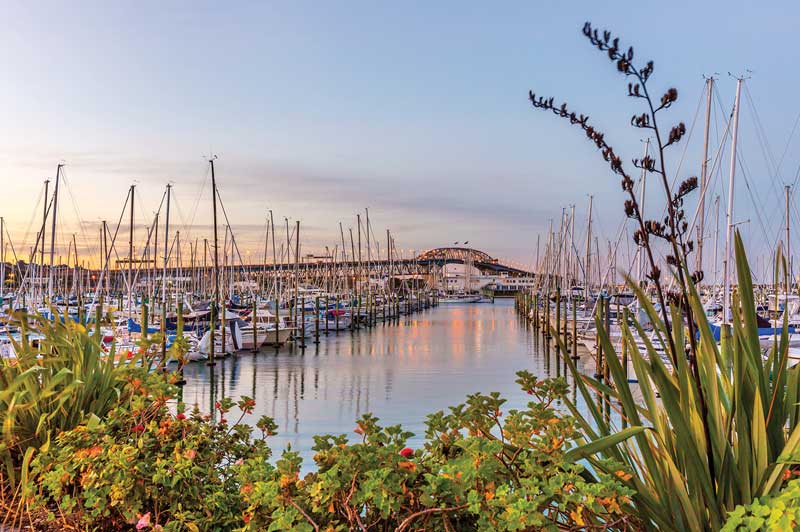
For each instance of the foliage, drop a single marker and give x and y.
(752, 417)
(778, 512)
(143, 462)
(51, 386)
(479, 469)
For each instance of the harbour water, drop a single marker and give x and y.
(400, 371)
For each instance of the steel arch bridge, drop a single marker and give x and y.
(461, 255)
(455, 254)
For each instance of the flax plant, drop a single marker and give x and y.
(752, 417)
(53, 384)
(716, 428)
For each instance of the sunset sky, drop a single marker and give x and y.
(416, 110)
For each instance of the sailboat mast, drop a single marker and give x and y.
(53, 235)
(729, 215)
(216, 257)
(716, 241)
(788, 269)
(587, 270)
(640, 252)
(704, 176)
(130, 257)
(166, 249)
(572, 259)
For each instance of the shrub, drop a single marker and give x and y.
(479, 469)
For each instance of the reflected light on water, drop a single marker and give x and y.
(400, 371)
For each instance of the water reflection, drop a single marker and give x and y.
(400, 371)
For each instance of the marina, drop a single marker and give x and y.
(370, 267)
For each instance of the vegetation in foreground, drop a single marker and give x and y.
(139, 463)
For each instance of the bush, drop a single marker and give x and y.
(52, 387)
(479, 469)
(144, 464)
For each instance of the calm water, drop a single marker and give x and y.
(399, 371)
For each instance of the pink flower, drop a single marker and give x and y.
(407, 452)
(181, 416)
(240, 461)
(190, 454)
(144, 522)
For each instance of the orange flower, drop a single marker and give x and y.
(411, 466)
(623, 475)
(577, 517)
(95, 451)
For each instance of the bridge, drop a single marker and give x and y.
(461, 255)
(424, 265)
(421, 263)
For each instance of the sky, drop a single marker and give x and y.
(415, 110)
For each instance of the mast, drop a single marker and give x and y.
(587, 270)
(274, 254)
(53, 236)
(788, 269)
(216, 255)
(266, 250)
(716, 241)
(369, 259)
(75, 278)
(704, 176)
(166, 249)
(360, 265)
(296, 269)
(353, 260)
(640, 251)
(572, 270)
(729, 215)
(130, 257)
(105, 257)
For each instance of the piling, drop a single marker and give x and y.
(255, 325)
(336, 313)
(302, 327)
(598, 347)
(558, 318)
(316, 320)
(574, 331)
(144, 319)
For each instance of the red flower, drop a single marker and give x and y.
(407, 452)
(181, 416)
(138, 428)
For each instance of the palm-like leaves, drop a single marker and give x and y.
(752, 416)
(52, 386)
